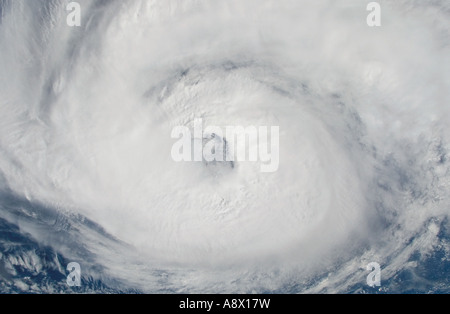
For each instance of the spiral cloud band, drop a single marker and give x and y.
(359, 165)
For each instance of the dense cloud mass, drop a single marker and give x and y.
(86, 173)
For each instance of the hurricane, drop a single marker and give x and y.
(362, 166)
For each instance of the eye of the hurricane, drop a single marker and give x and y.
(216, 154)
